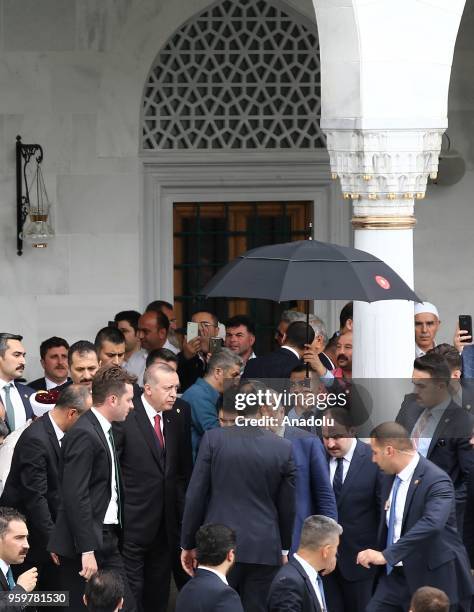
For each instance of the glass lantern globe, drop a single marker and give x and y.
(37, 230)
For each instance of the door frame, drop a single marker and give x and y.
(175, 176)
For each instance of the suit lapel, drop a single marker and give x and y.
(354, 468)
(415, 481)
(3, 582)
(100, 432)
(25, 398)
(148, 432)
(52, 437)
(309, 586)
(443, 423)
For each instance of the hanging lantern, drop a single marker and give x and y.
(37, 229)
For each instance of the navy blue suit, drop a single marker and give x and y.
(25, 393)
(450, 448)
(244, 478)
(349, 587)
(207, 593)
(314, 494)
(277, 364)
(292, 591)
(429, 547)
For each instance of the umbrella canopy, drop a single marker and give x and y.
(308, 270)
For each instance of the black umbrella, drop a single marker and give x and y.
(308, 270)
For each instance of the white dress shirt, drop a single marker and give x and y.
(18, 406)
(111, 515)
(52, 385)
(346, 463)
(313, 578)
(214, 571)
(136, 365)
(59, 432)
(405, 476)
(151, 414)
(170, 347)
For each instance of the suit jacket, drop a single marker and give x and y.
(313, 491)
(358, 509)
(17, 589)
(154, 479)
(85, 488)
(207, 593)
(40, 384)
(450, 448)
(32, 486)
(430, 546)
(292, 591)
(243, 478)
(277, 364)
(468, 531)
(25, 393)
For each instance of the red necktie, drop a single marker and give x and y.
(159, 435)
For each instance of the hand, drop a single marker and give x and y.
(28, 579)
(284, 559)
(55, 558)
(189, 561)
(191, 348)
(311, 357)
(459, 335)
(369, 557)
(89, 565)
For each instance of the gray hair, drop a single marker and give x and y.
(290, 316)
(319, 327)
(224, 359)
(318, 531)
(4, 338)
(73, 396)
(151, 375)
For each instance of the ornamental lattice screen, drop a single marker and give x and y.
(242, 74)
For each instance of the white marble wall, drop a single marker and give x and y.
(71, 78)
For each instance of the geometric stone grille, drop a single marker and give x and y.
(242, 74)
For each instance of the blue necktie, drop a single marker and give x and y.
(10, 579)
(391, 518)
(321, 591)
(337, 480)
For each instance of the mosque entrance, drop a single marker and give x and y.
(209, 235)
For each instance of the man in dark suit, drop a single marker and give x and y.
(90, 517)
(281, 362)
(313, 491)
(32, 486)
(417, 534)
(14, 396)
(298, 586)
(13, 550)
(53, 353)
(155, 458)
(439, 428)
(208, 590)
(244, 478)
(356, 482)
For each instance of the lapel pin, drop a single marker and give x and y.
(177, 410)
(387, 505)
(417, 482)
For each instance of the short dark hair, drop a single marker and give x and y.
(244, 320)
(53, 342)
(73, 396)
(452, 356)
(131, 316)
(108, 334)
(4, 341)
(392, 434)
(110, 380)
(346, 313)
(104, 590)
(214, 318)
(429, 599)
(158, 305)
(435, 365)
(7, 515)
(82, 347)
(341, 416)
(298, 334)
(301, 367)
(161, 353)
(213, 542)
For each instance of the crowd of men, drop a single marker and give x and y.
(148, 456)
